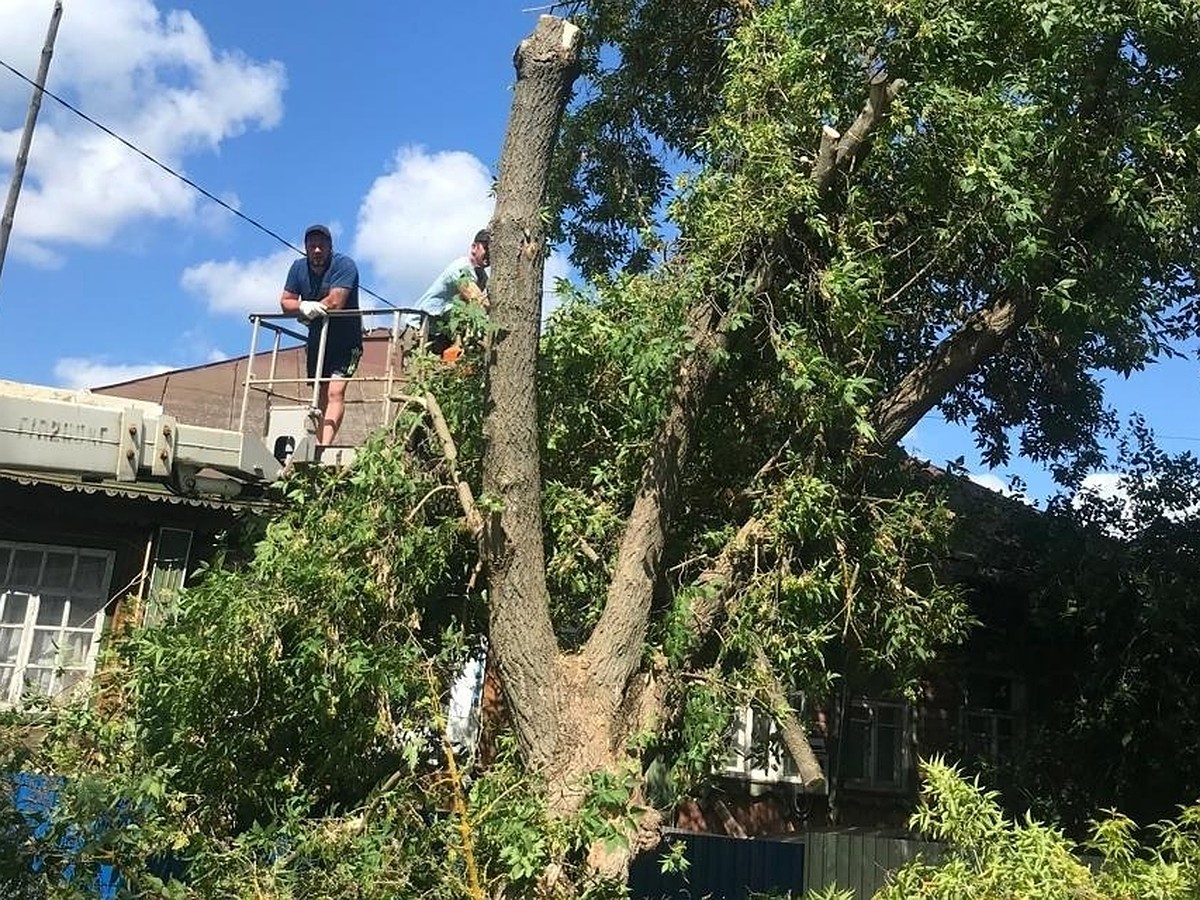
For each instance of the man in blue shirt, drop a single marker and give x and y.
(322, 282)
(465, 278)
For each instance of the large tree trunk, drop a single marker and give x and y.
(520, 629)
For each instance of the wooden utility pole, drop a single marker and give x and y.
(35, 104)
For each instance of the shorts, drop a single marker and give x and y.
(340, 362)
(438, 343)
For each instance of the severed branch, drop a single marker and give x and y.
(842, 152)
(466, 498)
(795, 741)
(826, 162)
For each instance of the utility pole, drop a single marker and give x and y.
(35, 104)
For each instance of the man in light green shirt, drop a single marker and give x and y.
(464, 278)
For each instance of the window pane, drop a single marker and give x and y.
(5, 557)
(75, 647)
(887, 752)
(10, 644)
(89, 574)
(857, 737)
(14, 608)
(84, 612)
(6, 674)
(26, 568)
(760, 739)
(979, 736)
(69, 678)
(737, 742)
(57, 575)
(44, 649)
(38, 681)
(50, 610)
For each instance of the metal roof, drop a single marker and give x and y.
(153, 492)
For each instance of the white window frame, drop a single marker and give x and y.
(29, 626)
(748, 759)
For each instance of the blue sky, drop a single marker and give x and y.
(384, 120)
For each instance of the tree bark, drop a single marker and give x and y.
(795, 740)
(615, 648)
(956, 357)
(842, 152)
(518, 602)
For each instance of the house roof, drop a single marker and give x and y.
(148, 491)
(995, 537)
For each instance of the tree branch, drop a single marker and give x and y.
(957, 356)
(615, 648)
(466, 499)
(842, 152)
(795, 741)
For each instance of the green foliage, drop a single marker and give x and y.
(1114, 636)
(602, 367)
(985, 855)
(650, 72)
(283, 735)
(1059, 171)
(18, 850)
(312, 655)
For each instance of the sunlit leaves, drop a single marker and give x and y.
(987, 855)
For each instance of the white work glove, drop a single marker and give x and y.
(311, 309)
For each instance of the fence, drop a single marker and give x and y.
(725, 868)
(857, 859)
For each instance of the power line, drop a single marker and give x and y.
(193, 185)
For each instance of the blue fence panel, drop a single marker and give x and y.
(34, 797)
(720, 867)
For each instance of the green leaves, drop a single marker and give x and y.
(986, 855)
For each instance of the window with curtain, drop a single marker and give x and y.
(52, 602)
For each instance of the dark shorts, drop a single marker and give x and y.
(438, 343)
(340, 362)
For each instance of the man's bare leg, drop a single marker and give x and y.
(333, 407)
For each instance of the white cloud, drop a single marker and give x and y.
(236, 287)
(1104, 484)
(152, 77)
(74, 372)
(989, 481)
(997, 484)
(557, 266)
(418, 216)
(421, 214)
(1111, 490)
(1102, 488)
(415, 218)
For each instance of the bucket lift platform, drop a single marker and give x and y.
(103, 437)
(52, 429)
